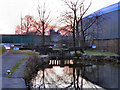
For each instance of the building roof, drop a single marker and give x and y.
(108, 9)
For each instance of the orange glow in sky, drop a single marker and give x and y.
(11, 11)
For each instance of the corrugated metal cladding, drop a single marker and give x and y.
(119, 22)
(109, 22)
(23, 39)
(108, 26)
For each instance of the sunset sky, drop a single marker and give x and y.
(11, 11)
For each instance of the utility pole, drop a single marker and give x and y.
(21, 24)
(21, 30)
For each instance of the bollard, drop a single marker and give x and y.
(8, 72)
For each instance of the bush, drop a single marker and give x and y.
(2, 50)
(32, 67)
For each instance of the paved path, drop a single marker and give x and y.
(20, 71)
(8, 61)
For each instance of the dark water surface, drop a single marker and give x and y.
(95, 76)
(107, 75)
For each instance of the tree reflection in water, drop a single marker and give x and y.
(62, 77)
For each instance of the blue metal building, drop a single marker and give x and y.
(106, 29)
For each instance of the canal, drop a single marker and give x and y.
(106, 75)
(79, 76)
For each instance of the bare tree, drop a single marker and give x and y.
(90, 26)
(67, 19)
(44, 18)
(71, 16)
(74, 18)
(26, 25)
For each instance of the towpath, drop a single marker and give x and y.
(8, 60)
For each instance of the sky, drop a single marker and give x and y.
(12, 10)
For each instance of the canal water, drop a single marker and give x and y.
(106, 75)
(92, 77)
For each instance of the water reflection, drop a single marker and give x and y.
(105, 75)
(62, 77)
(77, 75)
(59, 62)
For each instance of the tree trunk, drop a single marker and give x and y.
(82, 41)
(74, 28)
(78, 73)
(43, 32)
(43, 78)
(74, 78)
(77, 34)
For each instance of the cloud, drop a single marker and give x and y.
(11, 10)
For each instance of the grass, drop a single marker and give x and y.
(16, 67)
(90, 52)
(23, 52)
(100, 53)
(56, 48)
(27, 52)
(2, 50)
(60, 48)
